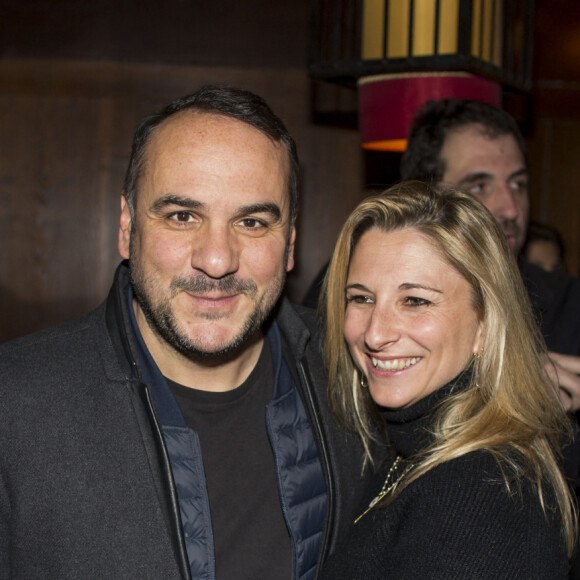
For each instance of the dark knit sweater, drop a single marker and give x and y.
(457, 521)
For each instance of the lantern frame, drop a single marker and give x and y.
(337, 43)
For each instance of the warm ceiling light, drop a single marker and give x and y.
(388, 103)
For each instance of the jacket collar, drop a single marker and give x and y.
(285, 331)
(294, 331)
(167, 407)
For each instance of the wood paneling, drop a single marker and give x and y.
(67, 129)
(555, 181)
(224, 33)
(75, 78)
(554, 118)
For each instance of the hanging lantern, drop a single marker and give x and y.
(401, 53)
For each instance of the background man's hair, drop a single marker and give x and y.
(422, 158)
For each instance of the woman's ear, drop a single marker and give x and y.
(479, 338)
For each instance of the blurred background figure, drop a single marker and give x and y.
(544, 248)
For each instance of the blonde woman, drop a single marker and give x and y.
(429, 331)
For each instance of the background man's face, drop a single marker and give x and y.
(493, 169)
(209, 247)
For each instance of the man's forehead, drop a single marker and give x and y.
(469, 131)
(197, 126)
(190, 136)
(470, 146)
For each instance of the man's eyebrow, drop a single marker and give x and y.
(475, 176)
(481, 175)
(267, 207)
(523, 172)
(171, 199)
(187, 202)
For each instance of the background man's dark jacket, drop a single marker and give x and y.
(555, 297)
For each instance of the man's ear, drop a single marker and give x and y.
(125, 223)
(290, 262)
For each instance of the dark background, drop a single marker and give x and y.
(75, 77)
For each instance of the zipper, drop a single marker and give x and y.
(180, 551)
(324, 460)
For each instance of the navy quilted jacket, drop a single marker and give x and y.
(295, 453)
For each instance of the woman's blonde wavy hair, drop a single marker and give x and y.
(514, 407)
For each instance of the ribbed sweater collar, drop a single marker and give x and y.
(410, 429)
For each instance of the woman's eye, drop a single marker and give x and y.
(358, 299)
(415, 301)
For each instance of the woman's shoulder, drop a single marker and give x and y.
(482, 474)
(458, 520)
(489, 497)
(488, 464)
(465, 507)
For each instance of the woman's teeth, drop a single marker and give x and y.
(395, 364)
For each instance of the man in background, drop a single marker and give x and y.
(479, 148)
(181, 430)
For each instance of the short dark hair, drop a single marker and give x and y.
(219, 100)
(422, 158)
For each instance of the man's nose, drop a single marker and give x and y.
(507, 207)
(215, 251)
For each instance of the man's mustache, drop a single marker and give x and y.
(510, 227)
(202, 284)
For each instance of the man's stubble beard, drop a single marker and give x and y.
(162, 321)
(513, 228)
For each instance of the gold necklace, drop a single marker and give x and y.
(388, 486)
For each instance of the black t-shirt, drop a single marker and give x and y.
(250, 534)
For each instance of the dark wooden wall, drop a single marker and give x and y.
(67, 129)
(75, 77)
(554, 122)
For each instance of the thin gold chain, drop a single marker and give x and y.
(388, 486)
